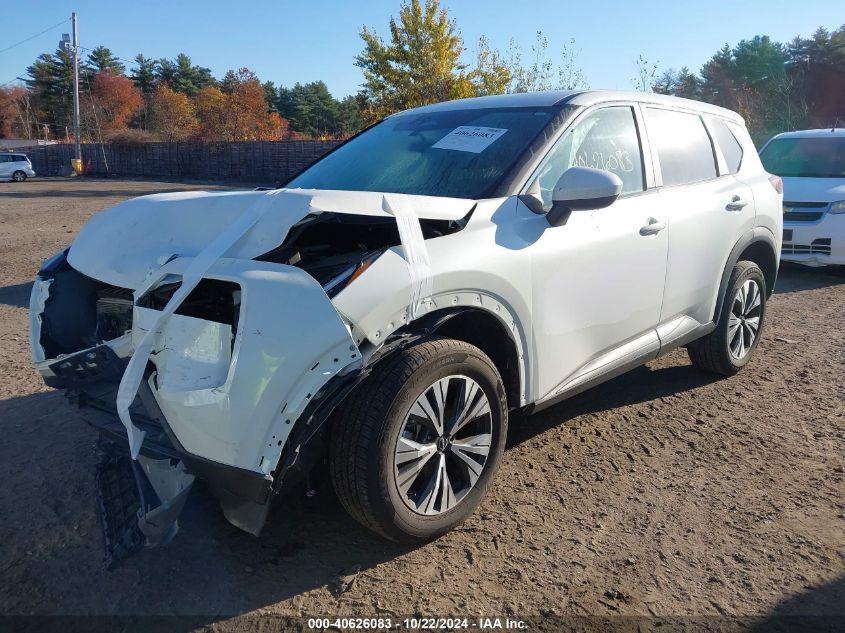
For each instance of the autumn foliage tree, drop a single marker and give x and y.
(421, 62)
(210, 105)
(14, 113)
(115, 98)
(246, 105)
(172, 115)
(275, 128)
(238, 110)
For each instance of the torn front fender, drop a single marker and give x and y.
(234, 401)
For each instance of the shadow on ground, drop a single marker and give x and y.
(639, 385)
(819, 608)
(52, 553)
(16, 296)
(795, 278)
(214, 568)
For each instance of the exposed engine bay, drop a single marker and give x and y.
(334, 248)
(82, 312)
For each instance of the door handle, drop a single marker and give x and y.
(652, 226)
(736, 204)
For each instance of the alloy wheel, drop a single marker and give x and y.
(744, 321)
(443, 445)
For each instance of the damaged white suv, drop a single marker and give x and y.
(380, 315)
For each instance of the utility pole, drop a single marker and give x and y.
(76, 131)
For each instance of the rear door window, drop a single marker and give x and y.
(683, 146)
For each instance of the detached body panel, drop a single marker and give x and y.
(233, 399)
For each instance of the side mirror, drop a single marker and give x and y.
(582, 188)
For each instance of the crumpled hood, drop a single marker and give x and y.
(813, 189)
(120, 245)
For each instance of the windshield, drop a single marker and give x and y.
(455, 153)
(806, 157)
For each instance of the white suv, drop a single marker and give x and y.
(15, 166)
(812, 165)
(380, 315)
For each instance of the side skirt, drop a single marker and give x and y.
(669, 337)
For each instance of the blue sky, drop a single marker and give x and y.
(292, 41)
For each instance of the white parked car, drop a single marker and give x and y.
(380, 315)
(15, 166)
(812, 165)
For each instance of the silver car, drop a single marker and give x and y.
(15, 166)
(379, 317)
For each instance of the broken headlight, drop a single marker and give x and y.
(350, 274)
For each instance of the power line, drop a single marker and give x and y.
(32, 37)
(91, 50)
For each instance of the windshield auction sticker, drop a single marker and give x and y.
(469, 138)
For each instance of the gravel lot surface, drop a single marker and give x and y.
(666, 492)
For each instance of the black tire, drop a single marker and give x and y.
(712, 352)
(366, 430)
(19, 176)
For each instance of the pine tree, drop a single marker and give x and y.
(101, 58)
(144, 75)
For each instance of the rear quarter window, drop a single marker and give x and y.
(683, 146)
(731, 149)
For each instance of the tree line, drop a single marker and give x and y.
(776, 87)
(168, 100)
(423, 60)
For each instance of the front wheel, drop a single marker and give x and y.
(728, 348)
(19, 176)
(414, 449)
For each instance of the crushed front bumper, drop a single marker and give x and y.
(218, 401)
(235, 401)
(815, 243)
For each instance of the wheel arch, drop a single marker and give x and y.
(487, 332)
(494, 332)
(758, 246)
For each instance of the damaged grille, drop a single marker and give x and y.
(81, 312)
(820, 246)
(211, 300)
(114, 313)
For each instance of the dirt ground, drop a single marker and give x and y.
(666, 492)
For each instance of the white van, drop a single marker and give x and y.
(381, 315)
(812, 165)
(15, 166)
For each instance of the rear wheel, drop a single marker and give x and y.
(728, 348)
(19, 176)
(416, 446)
